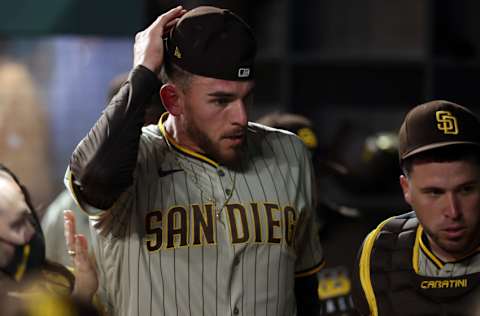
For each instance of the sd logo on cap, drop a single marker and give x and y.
(436, 124)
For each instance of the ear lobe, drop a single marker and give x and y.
(170, 99)
(405, 188)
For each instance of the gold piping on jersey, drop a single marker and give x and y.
(365, 268)
(23, 265)
(73, 194)
(71, 189)
(416, 250)
(311, 271)
(437, 261)
(180, 148)
(427, 251)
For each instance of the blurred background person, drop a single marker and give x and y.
(358, 169)
(24, 132)
(24, 270)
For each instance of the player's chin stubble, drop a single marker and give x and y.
(230, 157)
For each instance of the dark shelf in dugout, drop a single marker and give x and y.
(347, 53)
(365, 84)
(467, 78)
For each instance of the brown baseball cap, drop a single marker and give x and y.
(437, 124)
(213, 42)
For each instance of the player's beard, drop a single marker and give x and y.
(212, 149)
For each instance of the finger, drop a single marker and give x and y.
(86, 281)
(170, 25)
(81, 248)
(167, 16)
(70, 230)
(172, 14)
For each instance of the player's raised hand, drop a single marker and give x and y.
(86, 282)
(148, 49)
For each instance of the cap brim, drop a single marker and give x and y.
(437, 145)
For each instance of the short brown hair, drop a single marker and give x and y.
(459, 152)
(174, 74)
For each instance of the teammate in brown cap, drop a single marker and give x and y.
(427, 262)
(204, 213)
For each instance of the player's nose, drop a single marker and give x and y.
(453, 208)
(239, 114)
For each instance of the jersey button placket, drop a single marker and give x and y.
(235, 311)
(236, 261)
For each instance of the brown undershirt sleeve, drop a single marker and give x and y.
(102, 165)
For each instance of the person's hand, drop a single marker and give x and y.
(148, 49)
(86, 282)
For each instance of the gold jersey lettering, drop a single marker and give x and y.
(290, 217)
(238, 223)
(153, 226)
(256, 223)
(203, 224)
(177, 227)
(195, 225)
(272, 223)
(444, 284)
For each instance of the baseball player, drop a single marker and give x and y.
(204, 213)
(427, 262)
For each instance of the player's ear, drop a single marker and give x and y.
(405, 188)
(170, 96)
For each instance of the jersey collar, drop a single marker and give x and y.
(172, 143)
(421, 245)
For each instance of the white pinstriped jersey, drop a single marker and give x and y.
(190, 237)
